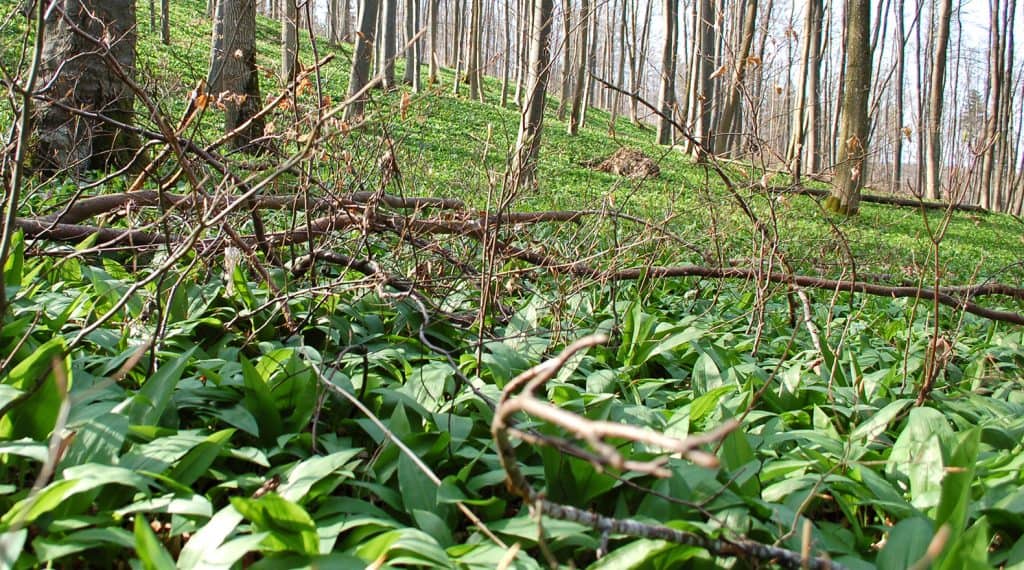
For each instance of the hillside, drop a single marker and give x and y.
(311, 378)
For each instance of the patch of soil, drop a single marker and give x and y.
(631, 163)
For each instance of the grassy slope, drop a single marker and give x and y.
(443, 138)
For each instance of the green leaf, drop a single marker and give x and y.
(635, 555)
(36, 415)
(418, 491)
(151, 552)
(11, 545)
(737, 455)
(207, 541)
(906, 543)
(150, 402)
(196, 462)
(307, 473)
(260, 402)
(407, 546)
(288, 526)
(918, 455)
(15, 260)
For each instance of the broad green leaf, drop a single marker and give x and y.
(208, 539)
(35, 416)
(288, 526)
(738, 457)
(150, 402)
(198, 460)
(49, 549)
(918, 455)
(260, 402)
(15, 259)
(307, 473)
(11, 545)
(906, 544)
(405, 546)
(151, 552)
(418, 492)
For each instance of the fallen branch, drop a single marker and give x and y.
(877, 199)
(90, 207)
(595, 433)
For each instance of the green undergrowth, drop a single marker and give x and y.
(203, 425)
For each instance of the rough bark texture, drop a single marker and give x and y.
(851, 168)
(388, 24)
(802, 137)
(75, 74)
(360, 70)
(582, 57)
(667, 97)
(233, 77)
(726, 128)
(933, 152)
(289, 40)
(523, 171)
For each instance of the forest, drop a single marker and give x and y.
(521, 284)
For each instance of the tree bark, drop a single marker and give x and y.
(523, 171)
(388, 38)
(851, 169)
(725, 128)
(580, 72)
(667, 96)
(75, 74)
(412, 56)
(564, 96)
(700, 102)
(233, 78)
(289, 40)
(897, 143)
(933, 149)
(359, 75)
(474, 65)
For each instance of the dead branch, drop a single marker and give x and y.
(595, 433)
(887, 200)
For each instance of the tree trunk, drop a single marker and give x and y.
(725, 128)
(700, 103)
(412, 68)
(564, 96)
(580, 72)
(505, 50)
(333, 18)
(474, 64)
(897, 144)
(388, 38)
(933, 149)
(76, 75)
(667, 96)
(993, 104)
(361, 58)
(803, 129)
(233, 78)
(457, 35)
(435, 64)
(523, 171)
(165, 22)
(851, 171)
(289, 40)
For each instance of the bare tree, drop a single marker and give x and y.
(233, 78)
(701, 90)
(435, 64)
(474, 63)
(80, 40)
(739, 65)
(667, 96)
(933, 149)
(359, 75)
(523, 170)
(802, 141)
(387, 39)
(412, 52)
(851, 169)
(580, 71)
(289, 40)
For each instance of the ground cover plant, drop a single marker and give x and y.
(331, 372)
